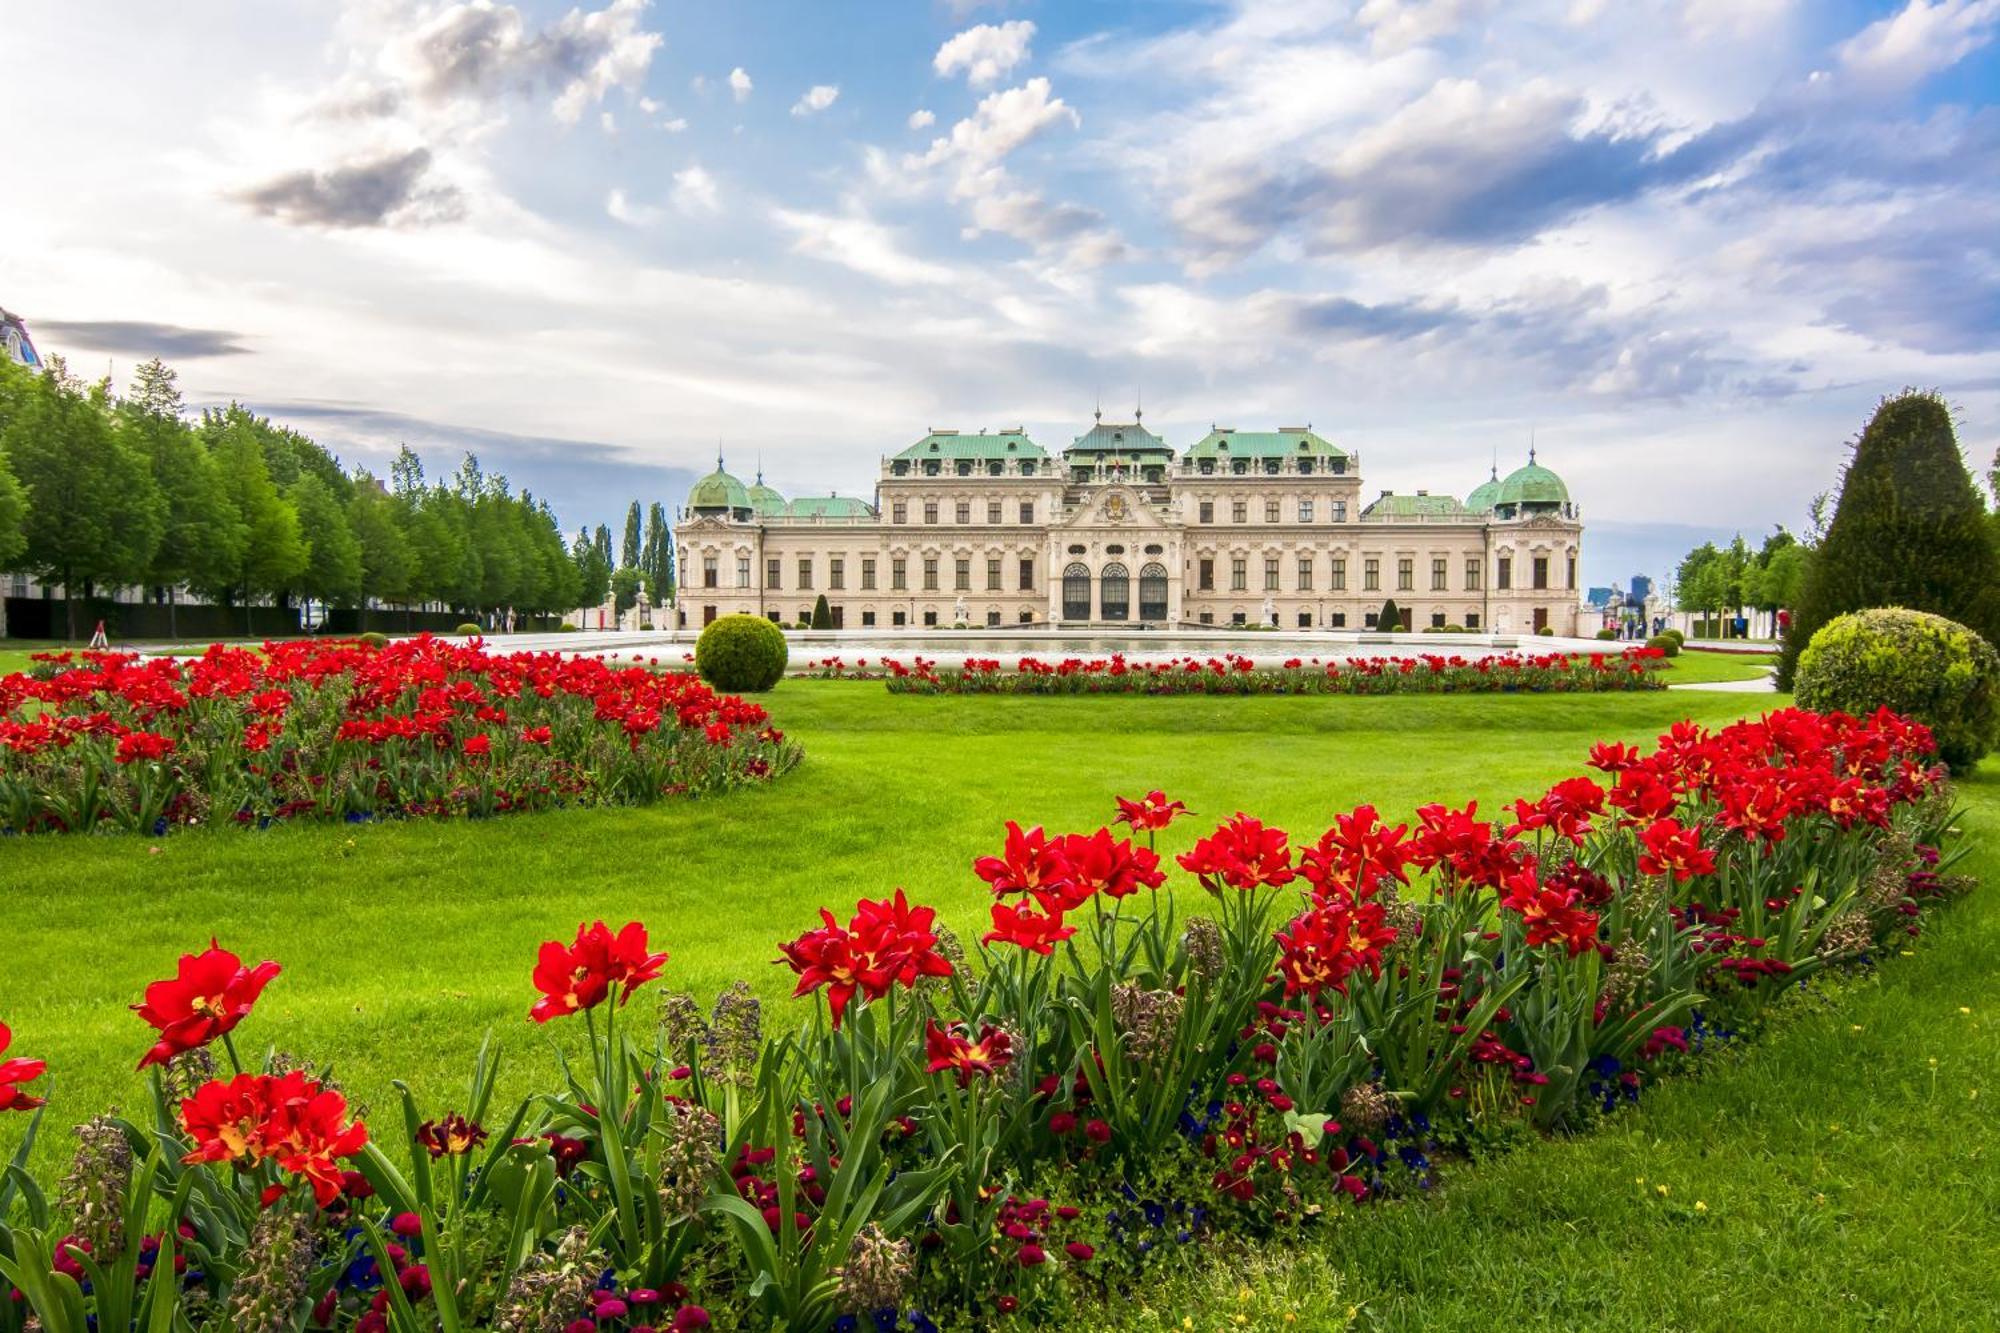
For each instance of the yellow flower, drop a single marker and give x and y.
(1965, 1008)
(1700, 1207)
(1662, 1189)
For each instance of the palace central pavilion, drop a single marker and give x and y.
(1241, 527)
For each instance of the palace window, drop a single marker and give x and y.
(1027, 510)
(899, 512)
(1571, 571)
(1340, 511)
(774, 572)
(1472, 575)
(1153, 592)
(1305, 467)
(1207, 467)
(1027, 574)
(1271, 511)
(1339, 573)
(1239, 573)
(868, 620)
(1371, 574)
(708, 572)
(742, 571)
(1439, 568)
(1114, 592)
(1305, 573)
(1338, 620)
(1239, 511)
(1472, 620)
(898, 619)
(1239, 466)
(1205, 575)
(930, 511)
(930, 620)
(993, 573)
(1270, 573)
(868, 573)
(1208, 511)
(1437, 620)
(963, 514)
(1541, 572)
(930, 573)
(899, 578)
(1405, 573)
(961, 574)
(1305, 620)
(1503, 573)
(1076, 592)
(1305, 511)
(805, 571)
(964, 467)
(993, 512)
(836, 573)
(1270, 467)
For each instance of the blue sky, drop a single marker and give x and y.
(1683, 244)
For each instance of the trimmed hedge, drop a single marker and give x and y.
(741, 653)
(1666, 643)
(1921, 665)
(468, 628)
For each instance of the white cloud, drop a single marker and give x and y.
(607, 122)
(1001, 123)
(862, 244)
(695, 191)
(1925, 37)
(739, 84)
(1397, 25)
(817, 99)
(624, 210)
(986, 53)
(921, 119)
(674, 126)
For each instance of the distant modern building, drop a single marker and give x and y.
(15, 344)
(1642, 588)
(1240, 527)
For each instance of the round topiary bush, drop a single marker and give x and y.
(468, 628)
(565, 628)
(1549, 630)
(1675, 635)
(1607, 634)
(1666, 643)
(375, 639)
(741, 654)
(1923, 666)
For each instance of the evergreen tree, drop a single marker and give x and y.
(822, 617)
(1909, 530)
(332, 569)
(93, 514)
(625, 585)
(603, 543)
(593, 574)
(633, 546)
(660, 553)
(1391, 619)
(156, 390)
(274, 553)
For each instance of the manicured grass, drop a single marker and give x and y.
(403, 942)
(1696, 665)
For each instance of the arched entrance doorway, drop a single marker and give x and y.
(1153, 592)
(1115, 593)
(1076, 593)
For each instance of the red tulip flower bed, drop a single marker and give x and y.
(1422, 673)
(1106, 1090)
(343, 730)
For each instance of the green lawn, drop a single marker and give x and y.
(1698, 665)
(403, 942)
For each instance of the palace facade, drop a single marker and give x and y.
(1241, 527)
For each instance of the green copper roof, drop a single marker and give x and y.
(718, 490)
(1286, 442)
(983, 446)
(1118, 437)
(1485, 495)
(767, 502)
(829, 506)
(1391, 505)
(1533, 484)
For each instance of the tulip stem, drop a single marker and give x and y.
(229, 1045)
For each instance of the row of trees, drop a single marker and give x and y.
(99, 490)
(646, 560)
(1717, 581)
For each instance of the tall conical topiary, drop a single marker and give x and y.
(1909, 530)
(822, 614)
(1391, 619)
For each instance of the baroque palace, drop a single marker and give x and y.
(1242, 527)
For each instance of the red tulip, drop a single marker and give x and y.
(1671, 848)
(582, 975)
(208, 995)
(1242, 854)
(15, 1072)
(1150, 812)
(1021, 925)
(288, 1119)
(987, 1054)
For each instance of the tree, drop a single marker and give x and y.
(593, 575)
(274, 553)
(1391, 619)
(1908, 530)
(202, 537)
(633, 548)
(1699, 581)
(822, 617)
(332, 570)
(373, 515)
(660, 553)
(93, 514)
(625, 585)
(603, 543)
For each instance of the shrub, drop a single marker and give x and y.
(375, 639)
(1923, 666)
(1607, 634)
(565, 628)
(1391, 619)
(467, 627)
(739, 653)
(1665, 644)
(822, 617)
(1675, 635)
(1549, 630)
(1910, 530)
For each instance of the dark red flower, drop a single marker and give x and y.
(1242, 854)
(453, 1136)
(1021, 925)
(288, 1119)
(208, 995)
(1150, 812)
(1319, 949)
(1029, 863)
(987, 1054)
(582, 975)
(1100, 864)
(143, 746)
(1551, 914)
(1670, 848)
(885, 943)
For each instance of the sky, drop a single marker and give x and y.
(1683, 246)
